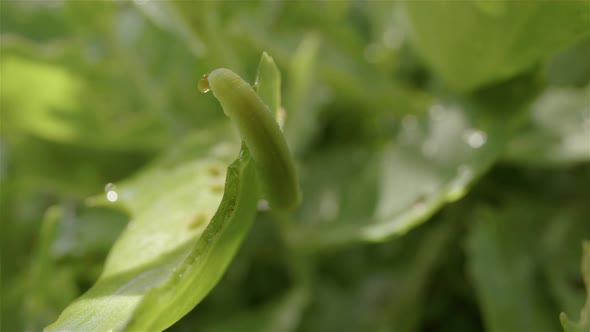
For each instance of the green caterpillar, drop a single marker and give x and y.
(260, 131)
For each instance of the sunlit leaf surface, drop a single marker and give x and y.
(559, 131)
(170, 241)
(474, 43)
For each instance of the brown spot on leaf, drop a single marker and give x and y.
(214, 170)
(217, 188)
(199, 220)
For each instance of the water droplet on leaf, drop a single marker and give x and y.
(204, 84)
(263, 205)
(475, 138)
(109, 186)
(112, 196)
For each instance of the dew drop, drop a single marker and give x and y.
(263, 205)
(475, 138)
(112, 196)
(109, 186)
(204, 84)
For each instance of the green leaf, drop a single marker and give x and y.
(349, 80)
(282, 315)
(301, 108)
(46, 111)
(379, 287)
(570, 67)
(87, 232)
(433, 161)
(54, 103)
(583, 325)
(270, 90)
(49, 286)
(171, 255)
(475, 43)
(558, 132)
(500, 249)
(560, 259)
(161, 266)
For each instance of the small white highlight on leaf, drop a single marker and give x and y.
(109, 186)
(475, 138)
(263, 205)
(112, 196)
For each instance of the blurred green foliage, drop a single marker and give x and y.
(443, 149)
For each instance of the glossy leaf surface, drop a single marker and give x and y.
(433, 161)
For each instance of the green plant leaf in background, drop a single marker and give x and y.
(301, 125)
(56, 112)
(502, 272)
(43, 293)
(170, 255)
(583, 325)
(382, 291)
(433, 161)
(475, 43)
(283, 315)
(270, 90)
(558, 132)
